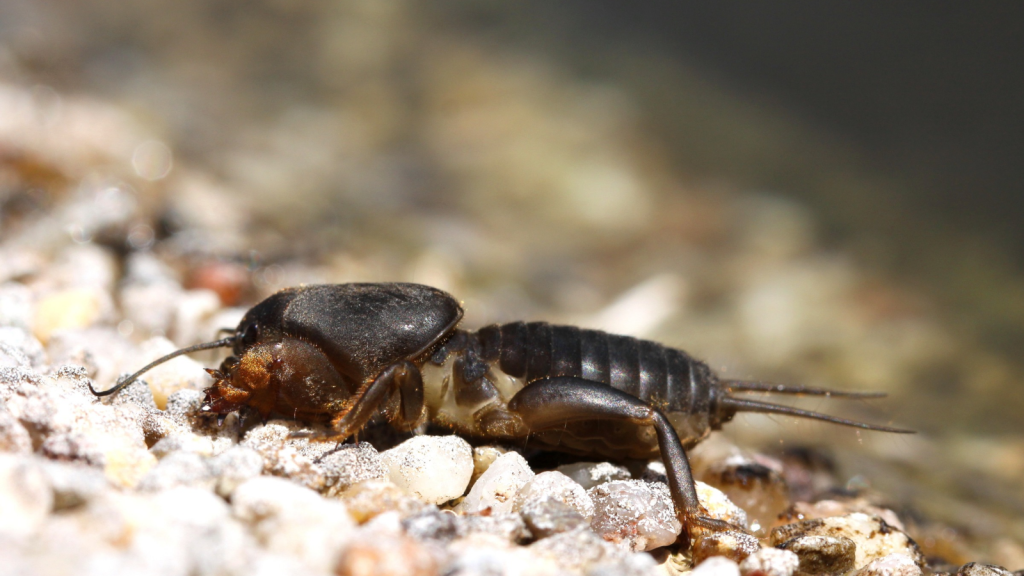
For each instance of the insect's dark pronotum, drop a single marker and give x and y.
(339, 353)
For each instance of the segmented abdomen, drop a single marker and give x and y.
(665, 377)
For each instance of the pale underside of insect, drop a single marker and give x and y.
(341, 353)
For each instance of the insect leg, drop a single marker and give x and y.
(553, 402)
(364, 403)
(409, 382)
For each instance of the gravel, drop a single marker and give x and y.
(435, 469)
(634, 514)
(143, 482)
(496, 489)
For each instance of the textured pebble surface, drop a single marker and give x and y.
(142, 482)
(129, 486)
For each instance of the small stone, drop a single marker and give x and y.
(20, 349)
(183, 530)
(283, 456)
(13, 436)
(288, 463)
(483, 457)
(435, 469)
(770, 562)
(979, 569)
(84, 266)
(290, 519)
(178, 469)
(557, 486)
(25, 496)
(718, 505)
(549, 516)
(351, 464)
(270, 436)
(577, 550)
(828, 508)
(16, 306)
(823, 554)
(68, 310)
(510, 527)
(732, 544)
(629, 565)
(73, 484)
(758, 490)
(101, 350)
(137, 393)
(434, 524)
(487, 555)
(234, 467)
(126, 466)
(891, 565)
(635, 514)
(716, 566)
(654, 471)
(874, 537)
(193, 311)
(184, 405)
(183, 442)
(371, 498)
(150, 306)
(385, 555)
(497, 488)
(590, 474)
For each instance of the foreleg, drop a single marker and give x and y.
(404, 377)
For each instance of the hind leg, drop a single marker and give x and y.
(553, 402)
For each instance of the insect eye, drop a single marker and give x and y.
(250, 335)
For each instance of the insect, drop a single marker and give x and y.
(341, 353)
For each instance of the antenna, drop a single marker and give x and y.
(222, 343)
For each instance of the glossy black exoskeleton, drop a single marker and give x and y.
(339, 353)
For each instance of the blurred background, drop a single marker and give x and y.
(827, 194)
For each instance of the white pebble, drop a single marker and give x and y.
(13, 436)
(351, 464)
(891, 565)
(576, 550)
(16, 306)
(716, 566)
(719, 506)
(557, 486)
(770, 562)
(874, 538)
(435, 469)
(25, 496)
(498, 486)
(590, 474)
(290, 519)
(638, 515)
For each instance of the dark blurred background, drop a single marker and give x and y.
(921, 100)
(926, 92)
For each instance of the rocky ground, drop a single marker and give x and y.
(108, 259)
